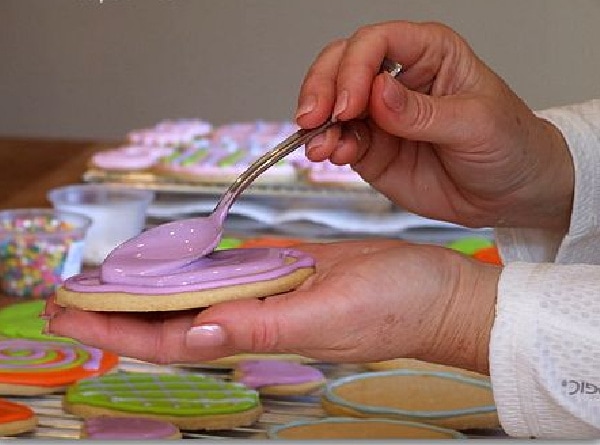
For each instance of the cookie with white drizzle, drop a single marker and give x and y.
(189, 401)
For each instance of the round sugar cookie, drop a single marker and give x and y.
(279, 377)
(340, 428)
(16, 418)
(22, 320)
(189, 401)
(419, 365)
(224, 275)
(233, 360)
(444, 399)
(30, 367)
(128, 428)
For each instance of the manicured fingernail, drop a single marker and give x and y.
(340, 104)
(315, 142)
(307, 104)
(391, 95)
(205, 336)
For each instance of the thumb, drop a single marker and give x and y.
(271, 325)
(417, 116)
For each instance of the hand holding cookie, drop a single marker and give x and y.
(428, 302)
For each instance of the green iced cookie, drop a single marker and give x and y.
(21, 320)
(469, 245)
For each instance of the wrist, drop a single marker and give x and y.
(464, 335)
(547, 198)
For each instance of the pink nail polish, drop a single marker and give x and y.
(205, 336)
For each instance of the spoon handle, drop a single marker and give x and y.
(283, 149)
(266, 161)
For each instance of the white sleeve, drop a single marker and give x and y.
(580, 126)
(545, 351)
(545, 346)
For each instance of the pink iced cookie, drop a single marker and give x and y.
(127, 428)
(277, 377)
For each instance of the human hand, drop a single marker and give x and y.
(448, 139)
(367, 301)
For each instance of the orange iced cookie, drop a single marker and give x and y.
(29, 367)
(15, 418)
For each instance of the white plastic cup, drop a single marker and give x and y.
(117, 214)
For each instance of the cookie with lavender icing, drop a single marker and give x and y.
(128, 428)
(189, 401)
(29, 367)
(220, 276)
(16, 418)
(279, 377)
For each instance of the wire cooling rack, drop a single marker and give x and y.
(54, 423)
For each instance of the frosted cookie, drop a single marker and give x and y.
(128, 428)
(335, 428)
(444, 399)
(220, 162)
(22, 320)
(29, 367)
(189, 401)
(220, 276)
(419, 365)
(129, 158)
(170, 133)
(15, 418)
(327, 173)
(278, 377)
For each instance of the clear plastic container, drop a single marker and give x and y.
(39, 248)
(117, 214)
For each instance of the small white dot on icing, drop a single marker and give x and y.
(138, 255)
(187, 241)
(141, 245)
(172, 233)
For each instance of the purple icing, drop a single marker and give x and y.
(128, 428)
(258, 373)
(220, 268)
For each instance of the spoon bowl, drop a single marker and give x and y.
(171, 246)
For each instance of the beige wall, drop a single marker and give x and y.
(92, 68)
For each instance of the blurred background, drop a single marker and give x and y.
(97, 68)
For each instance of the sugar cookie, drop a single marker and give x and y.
(15, 418)
(220, 276)
(29, 367)
(22, 320)
(419, 365)
(439, 398)
(189, 401)
(233, 360)
(279, 377)
(128, 428)
(335, 428)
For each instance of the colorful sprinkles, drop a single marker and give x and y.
(33, 251)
